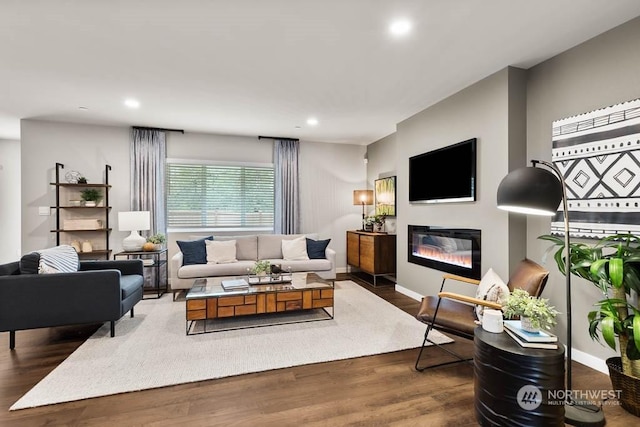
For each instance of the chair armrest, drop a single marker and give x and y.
(460, 278)
(125, 266)
(470, 300)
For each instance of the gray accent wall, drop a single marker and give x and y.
(511, 112)
(486, 111)
(600, 72)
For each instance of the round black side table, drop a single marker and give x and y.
(502, 368)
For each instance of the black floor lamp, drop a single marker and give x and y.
(536, 191)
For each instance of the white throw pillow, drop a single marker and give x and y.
(295, 250)
(491, 288)
(220, 251)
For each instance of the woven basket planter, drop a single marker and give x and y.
(629, 386)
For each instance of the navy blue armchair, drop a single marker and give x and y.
(100, 291)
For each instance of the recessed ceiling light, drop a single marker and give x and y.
(400, 27)
(132, 103)
(312, 121)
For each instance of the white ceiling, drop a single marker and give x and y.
(262, 67)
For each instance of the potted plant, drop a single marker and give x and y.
(613, 266)
(535, 313)
(261, 268)
(91, 196)
(154, 242)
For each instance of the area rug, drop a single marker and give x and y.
(151, 350)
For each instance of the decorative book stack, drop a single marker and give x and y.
(541, 339)
(231, 284)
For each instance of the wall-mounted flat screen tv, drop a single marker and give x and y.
(447, 174)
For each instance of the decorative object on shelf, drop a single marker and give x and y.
(73, 177)
(82, 180)
(76, 245)
(75, 202)
(86, 246)
(535, 313)
(538, 191)
(375, 223)
(134, 222)
(385, 196)
(155, 242)
(363, 198)
(91, 196)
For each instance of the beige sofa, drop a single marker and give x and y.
(249, 249)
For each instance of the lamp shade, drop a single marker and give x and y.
(134, 221)
(363, 197)
(530, 190)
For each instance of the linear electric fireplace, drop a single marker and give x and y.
(452, 250)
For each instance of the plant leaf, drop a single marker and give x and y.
(608, 333)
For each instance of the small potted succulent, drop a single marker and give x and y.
(90, 196)
(375, 223)
(535, 313)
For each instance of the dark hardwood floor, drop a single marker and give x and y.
(382, 390)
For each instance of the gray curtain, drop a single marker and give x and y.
(287, 199)
(148, 155)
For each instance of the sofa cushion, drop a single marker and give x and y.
(193, 251)
(316, 248)
(212, 270)
(303, 265)
(294, 250)
(221, 252)
(129, 284)
(246, 246)
(270, 245)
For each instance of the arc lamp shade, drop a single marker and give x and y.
(530, 190)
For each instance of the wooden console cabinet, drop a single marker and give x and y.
(372, 253)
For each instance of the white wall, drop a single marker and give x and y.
(328, 175)
(83, 148)
(9, 200)
(382, 163)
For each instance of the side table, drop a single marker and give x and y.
(502, 368)
(156, 268)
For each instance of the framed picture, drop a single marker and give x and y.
(385, 196)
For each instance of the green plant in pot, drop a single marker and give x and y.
(91, 196)
(535, 313)
(261, 268)
(613, 265)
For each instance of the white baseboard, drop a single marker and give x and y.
(408, 292)
(590, 361)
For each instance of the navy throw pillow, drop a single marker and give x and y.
(316, 248)
(29, 263)
(193, 251)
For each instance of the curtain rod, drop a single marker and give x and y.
(161, 129)
(278, 137)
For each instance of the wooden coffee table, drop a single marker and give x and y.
(300, 297)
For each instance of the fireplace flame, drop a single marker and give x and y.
(437, 254)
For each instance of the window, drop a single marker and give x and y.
(219, 196)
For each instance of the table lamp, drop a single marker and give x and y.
(362, 197)
(134, 222)
(537, 191)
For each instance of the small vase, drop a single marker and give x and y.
(90, 204)
(378, 228)
(526, 324)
